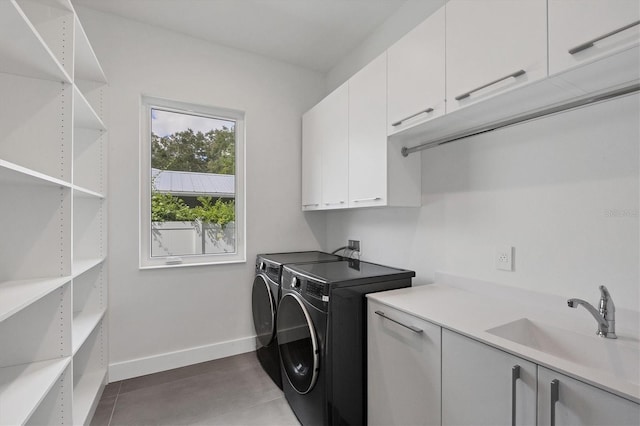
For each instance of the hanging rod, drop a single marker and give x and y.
(523, 118)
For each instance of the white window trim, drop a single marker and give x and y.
(145, 259)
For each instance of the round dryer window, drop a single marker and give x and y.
(264, 312)
(297, 343)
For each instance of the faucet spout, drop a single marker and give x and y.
(574, 303)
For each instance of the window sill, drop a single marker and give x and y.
(184, 265)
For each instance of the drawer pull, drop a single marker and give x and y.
(590, 43)
(555, 397)
(410, 327)
(311, 205)
(331, 204)
(424, 111)
(515, 376)
(361, 200)
(512, 75)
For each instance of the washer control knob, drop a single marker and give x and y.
(295, 282)
(263, 266)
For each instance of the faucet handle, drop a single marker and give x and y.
(604, 293)
(606, 305)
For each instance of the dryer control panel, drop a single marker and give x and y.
(314, 292)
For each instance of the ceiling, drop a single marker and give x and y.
(314, 34)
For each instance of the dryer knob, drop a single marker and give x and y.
(295, 282)
(263, 266)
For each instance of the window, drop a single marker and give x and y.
(192, 185)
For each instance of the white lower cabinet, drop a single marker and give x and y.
(403, 368)
(482, 385)
(420, 373)
(566, 401)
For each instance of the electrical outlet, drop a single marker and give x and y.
(354, 245)
(504, 258)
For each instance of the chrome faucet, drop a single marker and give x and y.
(605, 314)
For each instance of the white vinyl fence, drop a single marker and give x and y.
(188, 238)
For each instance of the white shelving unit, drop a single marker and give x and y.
(53, 280)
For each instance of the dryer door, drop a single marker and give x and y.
(298, 343)
(264, 310)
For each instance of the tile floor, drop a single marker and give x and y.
(228, 391)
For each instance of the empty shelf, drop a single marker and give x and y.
(23, 387)
(17, 295)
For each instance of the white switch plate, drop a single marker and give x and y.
(504, 258)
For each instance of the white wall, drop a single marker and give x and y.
(564, 191)
(161, 319)
(407, 17)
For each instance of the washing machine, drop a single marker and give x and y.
(321, 331)
(264, 300)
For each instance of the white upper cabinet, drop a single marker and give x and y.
(416, 75)
(367, 135)
(603, 35)
(493, 46)
(378, 174)
(325, 152)
(311, 161)
(583, 30)
(334, 140)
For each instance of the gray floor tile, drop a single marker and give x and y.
(104, 410)
(237, 363)
(111, 389)
(276, 412)
(233, 384)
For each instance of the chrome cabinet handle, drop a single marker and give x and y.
(424, 111)
(367, 199)
(588, 44)
(515, 376)
(512, 75)
(410, 327)
(555, 397)
(331, 204)
(310, 205)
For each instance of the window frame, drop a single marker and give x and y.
(146, 261)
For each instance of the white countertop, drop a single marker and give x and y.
(473, 310)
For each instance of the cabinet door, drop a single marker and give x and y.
(403, 368)
(416, 75)
(580, 404)
(333, 136)
(489, 44)
(311, 160)
(368, 135)
(479, 386)
(572, 23)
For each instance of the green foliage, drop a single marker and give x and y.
(211, 152)
(220, 212)
(167, 207)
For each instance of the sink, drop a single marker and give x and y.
(619, 357)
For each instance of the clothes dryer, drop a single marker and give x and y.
(264, 300)
(321, 332)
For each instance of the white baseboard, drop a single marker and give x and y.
(167, 361)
